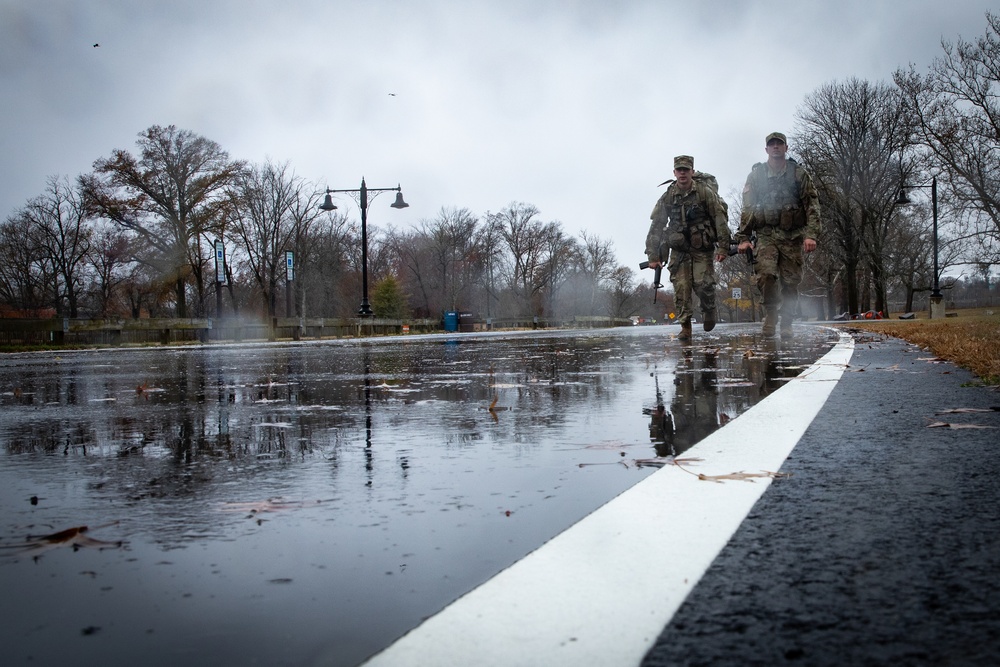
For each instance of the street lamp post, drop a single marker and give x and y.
(937, 309)
(365, 310)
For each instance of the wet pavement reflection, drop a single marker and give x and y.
(309, 503)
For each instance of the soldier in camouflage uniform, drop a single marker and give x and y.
(689, 221)
(781, 207)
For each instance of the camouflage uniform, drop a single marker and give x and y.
(693, 224)
(783, 210)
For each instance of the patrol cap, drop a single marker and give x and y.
(775, 135)
(683, 162)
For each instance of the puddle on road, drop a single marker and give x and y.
(292, 503)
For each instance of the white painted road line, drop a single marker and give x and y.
(602, 591)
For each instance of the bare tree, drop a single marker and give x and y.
(145, 291)
(855, 139)
(622, 292)
(56, 225)
(331, 254)
(958, 120)
(443, 262)
(597, 263)
(270, 209)
(172, 196)
(23, 269)
(490, 249)
(562, 256)
(411, 250)
(306, 215)
(452, 242)
(912, 265)
(524, 239)
(109, 259)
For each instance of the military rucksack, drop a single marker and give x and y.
(705, 180)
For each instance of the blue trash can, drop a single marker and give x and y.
(451, 320)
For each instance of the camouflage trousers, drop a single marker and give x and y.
(778, 272)
(692, 271)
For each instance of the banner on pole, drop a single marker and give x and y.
(220, 263)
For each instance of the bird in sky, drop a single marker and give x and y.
(96, 45)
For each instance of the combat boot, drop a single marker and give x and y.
(770, 322)
(685, 333)
(709, 323)
(786, 328)
(789, 305)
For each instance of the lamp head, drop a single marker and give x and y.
(399, 203)
(328, 204)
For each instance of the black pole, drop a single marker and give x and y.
(937, 292)
(365, 310)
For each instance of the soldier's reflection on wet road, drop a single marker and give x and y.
(693, 412)
(717, 382)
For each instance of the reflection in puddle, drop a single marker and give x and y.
(713, 384)
(376, 480)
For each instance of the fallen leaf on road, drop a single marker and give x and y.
(74, 537)
(742, 476)
(956, 426)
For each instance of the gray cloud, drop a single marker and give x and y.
(576, 107)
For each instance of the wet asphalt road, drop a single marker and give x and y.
(309, 503)
(883, 548)
(880, 549)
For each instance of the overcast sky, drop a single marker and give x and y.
(574, 107)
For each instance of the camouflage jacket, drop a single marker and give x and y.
(695, 219)
(784, 205)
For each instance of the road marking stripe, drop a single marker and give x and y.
(601, 592)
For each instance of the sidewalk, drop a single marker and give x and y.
(884, 545)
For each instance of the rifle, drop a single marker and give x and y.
(657, 274)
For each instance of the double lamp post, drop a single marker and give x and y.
(365, 310)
